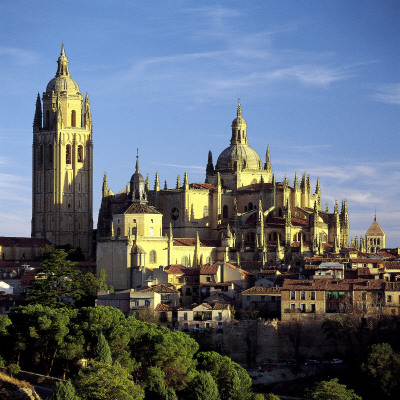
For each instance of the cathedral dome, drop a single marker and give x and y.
(62, 82)
(238, 156)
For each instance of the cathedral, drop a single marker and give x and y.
(240, 214)
(62, 164)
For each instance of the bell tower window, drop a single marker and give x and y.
(68, 154)
(73, 118)
(225, 211)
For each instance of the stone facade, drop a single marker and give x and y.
(241, 214)
(62, 161)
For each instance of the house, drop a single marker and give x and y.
(266, 300)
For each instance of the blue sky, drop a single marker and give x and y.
(318, 81)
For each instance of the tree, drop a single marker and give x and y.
(171, 351)
(203, 387)
(330, 390)
(13, 369)
(382, 367)
(57, 285)
(105, 382)
(102, 352)
(233, 381)
(64, 391)
(271, 396)
(39, 331)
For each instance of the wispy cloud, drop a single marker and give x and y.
(315, 75)
(181, 166)
(18, 56)
(389, 94)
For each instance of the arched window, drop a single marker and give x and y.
(275, 237)
(245, 208)
(250, 207)
(80, 153)
(73, 118)
(50, 154)
(184, 261)
(118, 231)
(280, 212)
(153, 257)
(378, 241)
(68, 154)
(225, 211)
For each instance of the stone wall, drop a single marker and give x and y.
(256, 342)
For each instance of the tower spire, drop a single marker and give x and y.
(62, 62)
(239, 109)
(137, 161)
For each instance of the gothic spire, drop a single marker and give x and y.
(267, 165)
(37, 121)
(178, 182)
(105, 185)
(210, 165)
(157, 183)
(296, 181)
(318, 187)
(186, 181)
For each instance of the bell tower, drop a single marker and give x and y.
(62, 163)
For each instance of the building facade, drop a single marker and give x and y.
(62, 163)
(239, 214)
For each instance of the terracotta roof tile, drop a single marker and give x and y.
(164, 307)
(263, 290)
(299, 221)
(391, 264)
(209, 269)
(202, 186)
(161, 288)
(137, 208)
(375, 230)
(192, 242)
(220, 306)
